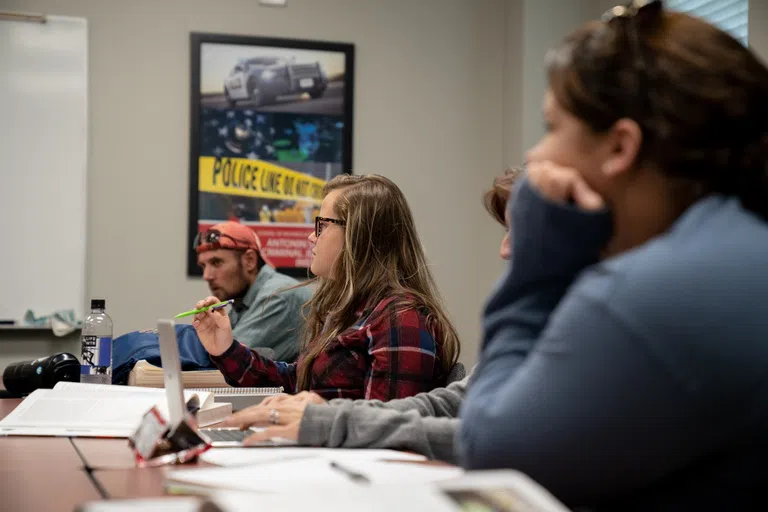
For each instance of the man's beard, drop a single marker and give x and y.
(240, 291)
(243, 289)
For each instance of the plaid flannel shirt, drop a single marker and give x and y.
(389, 353)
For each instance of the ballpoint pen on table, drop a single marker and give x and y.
(354, 475)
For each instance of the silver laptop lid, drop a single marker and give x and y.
(169, 357)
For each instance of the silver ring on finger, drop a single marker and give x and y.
(274, 416)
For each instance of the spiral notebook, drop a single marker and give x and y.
(240, 398)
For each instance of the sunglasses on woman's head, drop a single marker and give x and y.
(319, 224)
(629, 10)
(627, 18)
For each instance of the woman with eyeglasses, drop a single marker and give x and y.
(625, 356)
(376, 327)
(426, 423)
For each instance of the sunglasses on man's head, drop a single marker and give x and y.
(320, 224)
(213, 236)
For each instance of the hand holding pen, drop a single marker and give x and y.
(212, 325)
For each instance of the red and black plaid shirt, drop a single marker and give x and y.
(389, 353)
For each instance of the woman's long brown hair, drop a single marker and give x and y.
(382, 257)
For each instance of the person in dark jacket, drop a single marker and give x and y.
(624, 364)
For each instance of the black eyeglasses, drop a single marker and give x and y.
(213, 236)
(626, 15)
(319, 224)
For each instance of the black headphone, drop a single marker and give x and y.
(26, 376)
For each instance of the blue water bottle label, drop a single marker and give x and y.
(96, 354)
(89, 345)
(105, 351)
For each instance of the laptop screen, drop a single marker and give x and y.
(169, 356)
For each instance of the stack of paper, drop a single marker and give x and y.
(481, 491)
(148, 375)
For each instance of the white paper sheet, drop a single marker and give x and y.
(307, 474)
(247, 456)
(343, 499)
(497, 490)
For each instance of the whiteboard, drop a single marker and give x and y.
(43, 153)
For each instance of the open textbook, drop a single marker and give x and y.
(97, 410)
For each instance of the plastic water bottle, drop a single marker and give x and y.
(96, 344)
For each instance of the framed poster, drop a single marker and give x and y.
(271, 123)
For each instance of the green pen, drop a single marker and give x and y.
(212, 307)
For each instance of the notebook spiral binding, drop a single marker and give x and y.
(240, 391)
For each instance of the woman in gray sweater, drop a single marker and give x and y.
(426, 423)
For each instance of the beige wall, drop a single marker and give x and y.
(429, 85)
(447, 93)
(545, 22)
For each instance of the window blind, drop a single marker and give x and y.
(729, 15)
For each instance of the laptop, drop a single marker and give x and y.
(174, 390)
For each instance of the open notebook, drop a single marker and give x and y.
(97, 410)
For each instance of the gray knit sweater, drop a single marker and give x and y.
(425, 423)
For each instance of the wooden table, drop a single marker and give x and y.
(57, 473)
(35, 451)
(99, 454)
(134, 483)
(28, 486)
(41, 473)
(114, 467)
